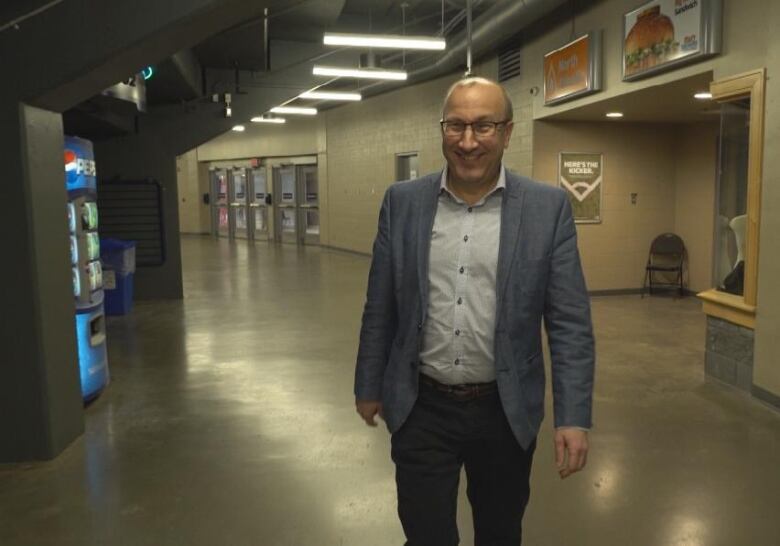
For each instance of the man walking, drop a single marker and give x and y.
(466, 265)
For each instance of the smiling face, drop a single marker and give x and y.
(475, 161)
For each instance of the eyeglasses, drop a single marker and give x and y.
(480, 129)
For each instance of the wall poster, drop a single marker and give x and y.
(580, 174)
(662, 34)
(573, 70)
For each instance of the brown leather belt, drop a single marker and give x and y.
(462, 392)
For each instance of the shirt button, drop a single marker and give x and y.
(457, 332)
(470, 209)
(460, 300)
(466, 239)
(461, 270)
(457, 361)
(419, 325)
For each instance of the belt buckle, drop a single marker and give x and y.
(464, 394)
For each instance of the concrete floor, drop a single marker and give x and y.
(230, 421)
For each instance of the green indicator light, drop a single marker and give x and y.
(147, 72)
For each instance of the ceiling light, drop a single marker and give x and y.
(330, 95)
(239, 128)
(391, 41)
(294, 110)
(367, 73)
(262, 119)
(704, 95)
(614, 114)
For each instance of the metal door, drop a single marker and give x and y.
(239, 203)
(220, 222)
(258, 209)
(285, 201)
(308, 205)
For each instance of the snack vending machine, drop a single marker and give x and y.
(81, 183)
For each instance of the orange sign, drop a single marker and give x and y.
(569, 71)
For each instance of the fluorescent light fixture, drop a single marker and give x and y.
(261, 119)
(239, 128)
(367, 73)
(388, 41)
(294, 110)
(330, 95)
(614, 114)
(703, 96)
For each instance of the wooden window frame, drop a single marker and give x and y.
(734, 308)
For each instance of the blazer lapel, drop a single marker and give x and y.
(427, 212)
(511, 222)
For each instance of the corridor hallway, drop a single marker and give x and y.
(230, 421)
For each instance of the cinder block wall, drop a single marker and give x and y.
(671, 168)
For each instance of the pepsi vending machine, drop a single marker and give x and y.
(81, 183)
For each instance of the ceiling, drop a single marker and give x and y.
(246, 46)
(669, 103)
(273, 50)
(16, 10)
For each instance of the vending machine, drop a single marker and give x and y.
(81, 183)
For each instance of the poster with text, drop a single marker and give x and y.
(663, 33)
(580, 174)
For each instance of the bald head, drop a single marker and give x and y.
(489, 86)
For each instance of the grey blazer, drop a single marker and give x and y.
(539, 277)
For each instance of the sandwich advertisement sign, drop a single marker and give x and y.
(662, 34)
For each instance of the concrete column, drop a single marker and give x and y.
(40, 395)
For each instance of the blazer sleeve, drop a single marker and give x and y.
(380, 320)
(569, 330)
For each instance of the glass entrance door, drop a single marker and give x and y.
(258, 209)
(220, 212)
(238, 203)
(308, 204)
(285, 204)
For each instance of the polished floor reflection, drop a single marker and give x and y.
(230, 422)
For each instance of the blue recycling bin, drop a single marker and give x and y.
(118, 259)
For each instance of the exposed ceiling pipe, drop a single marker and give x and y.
(469, 30)
(15, 22)
(494, 26)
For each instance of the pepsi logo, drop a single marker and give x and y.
(70, 161)
(79, 165)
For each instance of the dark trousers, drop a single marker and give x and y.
(440, 436)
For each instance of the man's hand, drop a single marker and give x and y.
(571, 450)
(368, 409)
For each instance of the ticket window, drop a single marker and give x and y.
(734, 297)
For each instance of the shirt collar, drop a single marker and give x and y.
(500, 185)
